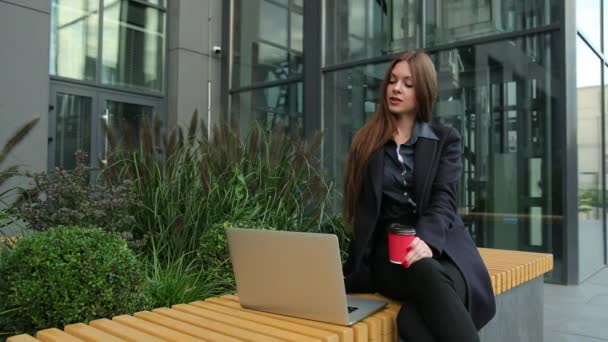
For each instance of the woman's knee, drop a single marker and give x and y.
(427, 271)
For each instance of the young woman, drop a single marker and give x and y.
(403, 169)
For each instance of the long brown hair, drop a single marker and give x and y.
(383, 124)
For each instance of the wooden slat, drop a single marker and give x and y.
(153, 329)
(88, 333)
(122, 331)
(55, 335)
(22, 338)
(374, 328)
(254, 316)
(9, 241)
(235, 331)
(260, 328)
(184, 327)
(361, 332)
(345, 333)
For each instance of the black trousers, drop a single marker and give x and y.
(433, 293)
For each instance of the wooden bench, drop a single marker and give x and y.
(223, 319)
(8, 240)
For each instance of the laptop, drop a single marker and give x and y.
(295, 274)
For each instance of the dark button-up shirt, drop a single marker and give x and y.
(398, 199)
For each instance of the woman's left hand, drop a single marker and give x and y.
(417, 250)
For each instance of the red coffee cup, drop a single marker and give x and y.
(399, 239)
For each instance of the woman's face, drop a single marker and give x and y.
(400, 92)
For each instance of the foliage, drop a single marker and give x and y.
(8, 173)
(67, 275)
(179, 279)
(335, 225)
(68, 197)
(190, 182)
(4, 311)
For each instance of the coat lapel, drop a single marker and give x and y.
(424, 155)
(376, 167)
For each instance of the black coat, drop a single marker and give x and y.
(437, 171)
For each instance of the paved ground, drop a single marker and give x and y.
(577, 313)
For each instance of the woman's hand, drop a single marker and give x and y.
(417, 250)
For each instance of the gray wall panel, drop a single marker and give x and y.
(38, 5)
(24, 80)
(194, 28)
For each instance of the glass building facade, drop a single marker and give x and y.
(107, 61)
(505, 82)
(524, 82)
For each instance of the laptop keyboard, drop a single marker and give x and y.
(352, 308)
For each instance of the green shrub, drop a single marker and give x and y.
(4, 311)
(180, 279)
(67, 275)
(69, 197)
(191, 182)
(213, 251)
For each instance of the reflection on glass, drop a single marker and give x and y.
(127, 119)
(354, 29)
(74, 39)
(457, 20)
(267, 44)
(156, 2)
(73, 131)
(605, 29)
(588, 19)
(133, 45)
(590, 159)
(270, 107)
(350, 100)
(367, 28)
(499, 97)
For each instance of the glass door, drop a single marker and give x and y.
(70, 126)
(75, 122)
(124, 117)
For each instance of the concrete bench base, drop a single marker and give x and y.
(519, 315)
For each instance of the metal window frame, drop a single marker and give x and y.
(448, 46)
(99, 67)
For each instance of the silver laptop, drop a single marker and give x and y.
(295, 274)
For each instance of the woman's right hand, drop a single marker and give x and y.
(417, 250)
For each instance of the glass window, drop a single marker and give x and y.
(133, 45)
(127, 120)
(588, 20)
(160, 3)
(590, 159)
(605, 29)
(501, 98)
(268, 41)
(74, 39)
(350, 100)
(73, 128)
(359, 29)
(354, 29)
(448, 21)
(270, 107)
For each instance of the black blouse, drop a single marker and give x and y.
(398, 200)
